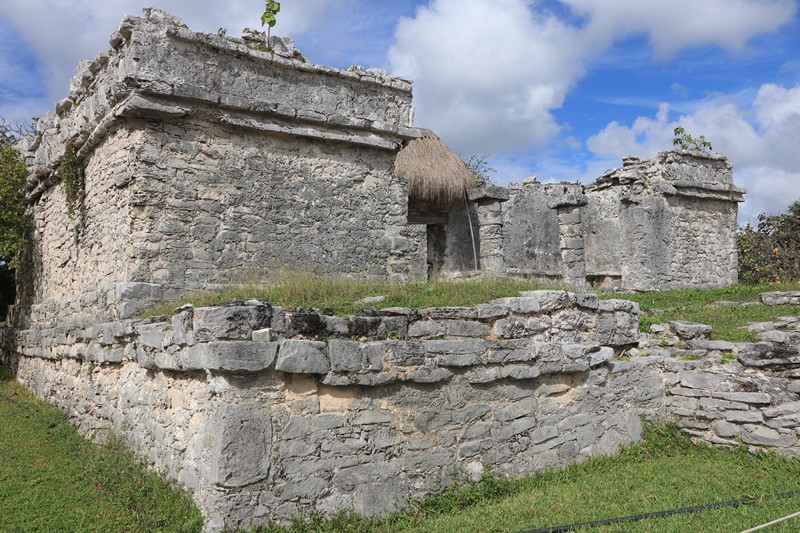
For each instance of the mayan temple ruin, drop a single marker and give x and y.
(206, 158)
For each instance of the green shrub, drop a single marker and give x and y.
(13, 222)
(72, 174)
(770, 252)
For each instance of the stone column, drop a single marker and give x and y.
(488, 201)
(567, 200)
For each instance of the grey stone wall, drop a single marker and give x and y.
(728, 394)
(230, 161)
(531, 234)
(265, 413)
(668, 222)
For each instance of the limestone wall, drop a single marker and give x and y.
(531, 233)
(668, 222)
(229, 161)
(729, 394)
(264, 413)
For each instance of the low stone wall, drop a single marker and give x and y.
(265, 413)
(728, 394)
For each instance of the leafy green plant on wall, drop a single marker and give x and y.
(685, 141)
(268, 19)
(74, 184)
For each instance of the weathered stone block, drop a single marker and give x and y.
(467, 328)
(229, 323)
(519, 305)
(241, 445)
(345, 356)
(757, 398)
(701, 380)
(690, 330)
(230, 356)
(427, 329)
(751, 417)
(764, 436)
(302, 357)
(725, 429)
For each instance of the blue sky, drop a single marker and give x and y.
(557, 89)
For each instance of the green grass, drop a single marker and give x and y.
(665, 471)
(339, 295)
(696, 305)
(52, 479)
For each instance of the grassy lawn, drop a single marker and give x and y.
(52, 479)
(697, 305)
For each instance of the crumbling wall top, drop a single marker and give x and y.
(158, 68)
(689, 173)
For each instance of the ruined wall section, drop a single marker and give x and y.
(265, 413)
(75, 264)
(668, 222)
(531, 233)
(543, 232)
(217, 203)
(205, 158)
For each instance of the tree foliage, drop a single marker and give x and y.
(685, 141)
(770, 252)
(13, 222)
(479, 167)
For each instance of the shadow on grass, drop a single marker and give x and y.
(6, 374)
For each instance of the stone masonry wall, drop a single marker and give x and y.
(531, 233)
(230, 161)
(265, 413)
(668, 222)
(728, 394)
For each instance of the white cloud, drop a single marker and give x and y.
(675, 24)
(61, 33)
(489, 74)
(760, 139)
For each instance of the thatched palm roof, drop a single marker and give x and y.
(436, 176)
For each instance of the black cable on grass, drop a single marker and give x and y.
(659, 514)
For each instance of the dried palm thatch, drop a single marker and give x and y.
(436, 176)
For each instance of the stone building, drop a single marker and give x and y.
(668, 222)
(207, 159)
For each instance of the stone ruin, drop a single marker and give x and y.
(664, 223)
(207, 158)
